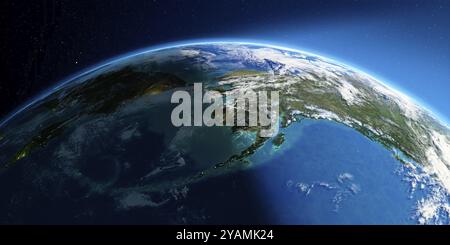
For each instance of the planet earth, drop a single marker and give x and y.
(100, 148)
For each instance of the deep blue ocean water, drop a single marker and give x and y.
(324, 173)
(328, 173)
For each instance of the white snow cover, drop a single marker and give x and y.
(349, 93)
(438, 156)
(320, 113)
(329, 72)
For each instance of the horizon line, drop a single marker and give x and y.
(433, 112)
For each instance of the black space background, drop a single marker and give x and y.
(43, 41)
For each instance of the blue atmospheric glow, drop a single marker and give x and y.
(223, 41)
